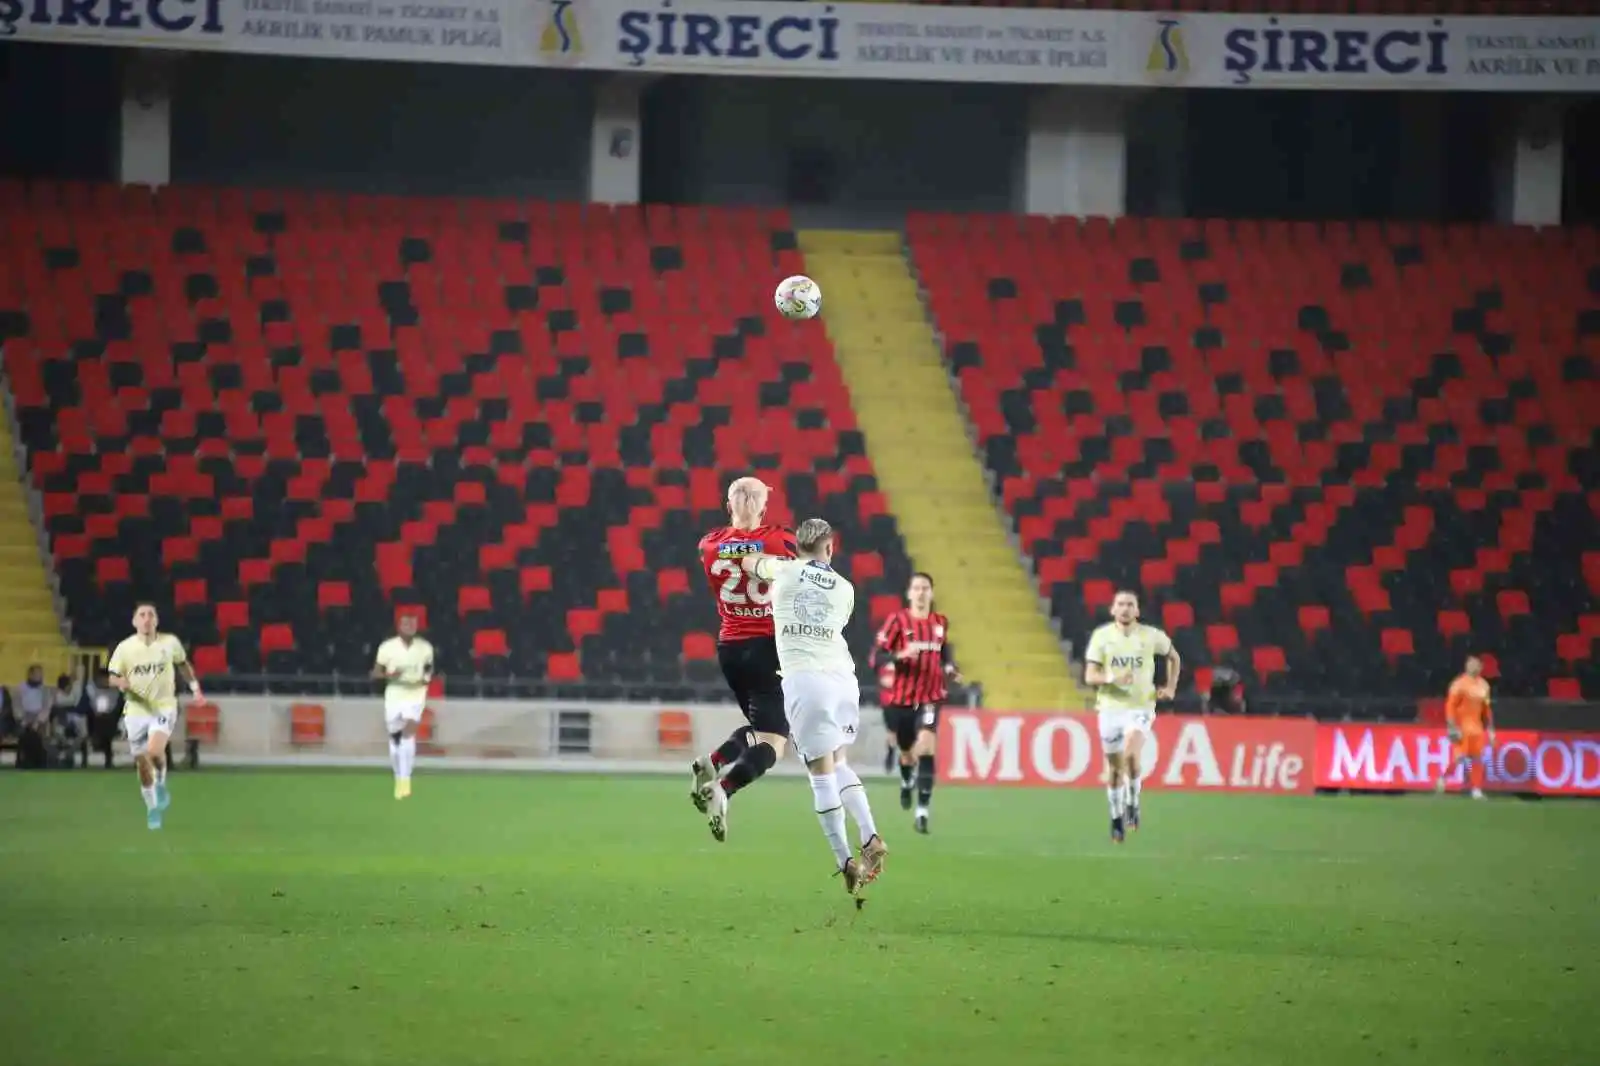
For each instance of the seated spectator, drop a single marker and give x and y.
(9, 727)
(69, 722)
(104, 703)
(32, 702)
(1227, 692)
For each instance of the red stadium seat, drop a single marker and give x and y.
(1268, 660)
(1398, 642)
(490, 643)
(700, 647)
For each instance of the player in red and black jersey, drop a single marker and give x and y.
(913, 649)
(746, 649)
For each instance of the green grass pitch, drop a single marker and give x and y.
(309, 918)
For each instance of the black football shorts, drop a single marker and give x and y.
(751, 667)
(905, 722)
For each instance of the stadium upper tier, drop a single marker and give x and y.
(285, 414)
(1306, 7)
(1338, 455)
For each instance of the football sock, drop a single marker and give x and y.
(906, 771)
(149, 795)
(756, 760)
(830, 812)
(853, 794)
(408, 756)
(1476, 773)
(1135, 786)
(731, 748)
(924, 781)
(161, 772)
(394, 753)
(1114, 797)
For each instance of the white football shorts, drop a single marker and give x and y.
(1115, 727)
(824, 712)
(397, 712)
(139, 729)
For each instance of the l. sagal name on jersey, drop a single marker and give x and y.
(744, 602)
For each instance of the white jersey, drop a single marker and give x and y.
(413, 662)
(811, 605)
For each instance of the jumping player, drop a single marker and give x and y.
(1121, 664)
(144, 668)
(811, 606)
(746, 649)
(405, 662)
(914, 646)
(1471, 723)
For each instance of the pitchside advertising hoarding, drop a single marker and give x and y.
(891, 41)
(1274, 755)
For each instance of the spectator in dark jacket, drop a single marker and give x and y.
(1227, 692)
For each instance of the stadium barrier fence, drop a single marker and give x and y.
(1224, 753)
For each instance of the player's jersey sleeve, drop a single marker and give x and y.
(179, 656)
(1453, 702)
(781, 542)
(1096, 652)
(118, 665)
(382, 658)
(1161, 643)
(890, 633)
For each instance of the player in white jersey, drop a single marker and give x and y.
(1121, 664)
(811, 605)
(405, 661)
(145, 668)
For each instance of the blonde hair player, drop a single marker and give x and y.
(811, 605)
(747, 651)
(1121, 664)
(405, 661)
(145, 668)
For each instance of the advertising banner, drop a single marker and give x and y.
(1396, 758)
(1186, 752)
(1371, 52)
(906, 42)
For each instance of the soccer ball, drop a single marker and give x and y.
(798, 298)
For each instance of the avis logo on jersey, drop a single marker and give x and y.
(1127, 662)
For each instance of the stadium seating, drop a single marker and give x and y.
(1337, 456)
(281, 415)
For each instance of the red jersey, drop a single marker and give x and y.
(743, 602)
(919, 678)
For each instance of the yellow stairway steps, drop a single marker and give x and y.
(30, 631)
(927, 467)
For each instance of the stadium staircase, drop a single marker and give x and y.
(919, 446)
(1336, 456)
(284, 414)
(29, 629)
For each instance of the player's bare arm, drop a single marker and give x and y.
(191, 679)
(1096, 674)
(1169, 691)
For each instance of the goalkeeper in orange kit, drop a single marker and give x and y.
(1471, 725)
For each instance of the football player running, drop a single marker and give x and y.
(1121, 664)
